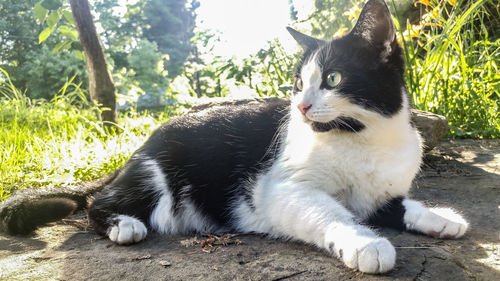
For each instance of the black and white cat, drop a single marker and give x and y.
(340, 157)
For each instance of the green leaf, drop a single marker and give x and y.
(45, 34)
(61, 46)
(80, 55)
(51, 4)
(68, 32)
(40, 12)
(53, 19)
(69, 17)
(58, 47)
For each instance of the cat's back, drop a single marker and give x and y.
(220, 128)
(210, 154)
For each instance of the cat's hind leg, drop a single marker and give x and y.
(123, 209)
(127, 230)
(121, 229)
(406, 214)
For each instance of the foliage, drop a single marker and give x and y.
(170, 24)
(452, 67)
(269, 72)
(18, 31)
(25, 24)
(61, 142)
(44, 72)
(118, 30)
(202, 69)
(56, 15)
(332, 17)
(452, 58)
(147, 64)
(32, 66)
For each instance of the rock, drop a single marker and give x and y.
(432, 127)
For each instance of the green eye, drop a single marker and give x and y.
(333, 79)
(298, 83)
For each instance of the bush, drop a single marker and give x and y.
(452, 67)
(43, 72)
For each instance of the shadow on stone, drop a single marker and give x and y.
(20, 244)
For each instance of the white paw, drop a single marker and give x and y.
(128, 230)
(376, 256)
(436, 222)
(361, 249)
(442, 223)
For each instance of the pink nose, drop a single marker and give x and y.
(304, 107)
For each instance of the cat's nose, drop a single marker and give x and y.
(304, 107)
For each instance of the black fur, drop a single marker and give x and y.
(389, 215)
(28, 208)
(128, 194)
(372, 73)
(342, 123)
(40, 212)
(307, 43)
(213, 151)
(366, 80)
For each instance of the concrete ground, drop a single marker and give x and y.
(463, 174)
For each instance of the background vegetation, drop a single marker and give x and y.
(50, 134)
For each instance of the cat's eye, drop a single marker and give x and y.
(333, 79)
(298, 84)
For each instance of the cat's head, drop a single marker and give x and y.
(346, 82)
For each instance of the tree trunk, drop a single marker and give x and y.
(101, 86)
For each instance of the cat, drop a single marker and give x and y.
(338, 158)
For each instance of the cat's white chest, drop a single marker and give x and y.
(361, 175)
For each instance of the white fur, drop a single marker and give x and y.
(323, 181)
(186, 220)
(163, 219)
(436, 222)
(128, 230)
(385, 156)
(157, 178)
(359, 248)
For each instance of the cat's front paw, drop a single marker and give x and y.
(439, 223)
(359, 248)
(377, 256)
(127, 230)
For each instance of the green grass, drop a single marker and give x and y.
(452, 67)
(61, 142)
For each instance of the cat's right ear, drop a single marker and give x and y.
(375, 25)
(305, 41)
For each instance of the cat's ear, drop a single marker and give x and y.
(375, 25)
(305, 41)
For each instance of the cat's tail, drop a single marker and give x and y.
(28, 209)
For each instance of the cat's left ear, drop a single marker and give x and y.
(375, 25)
(305, 41)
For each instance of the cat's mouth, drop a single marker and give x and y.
(342, 123)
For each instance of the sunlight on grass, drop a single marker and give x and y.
(61, 142)
(453, 67)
